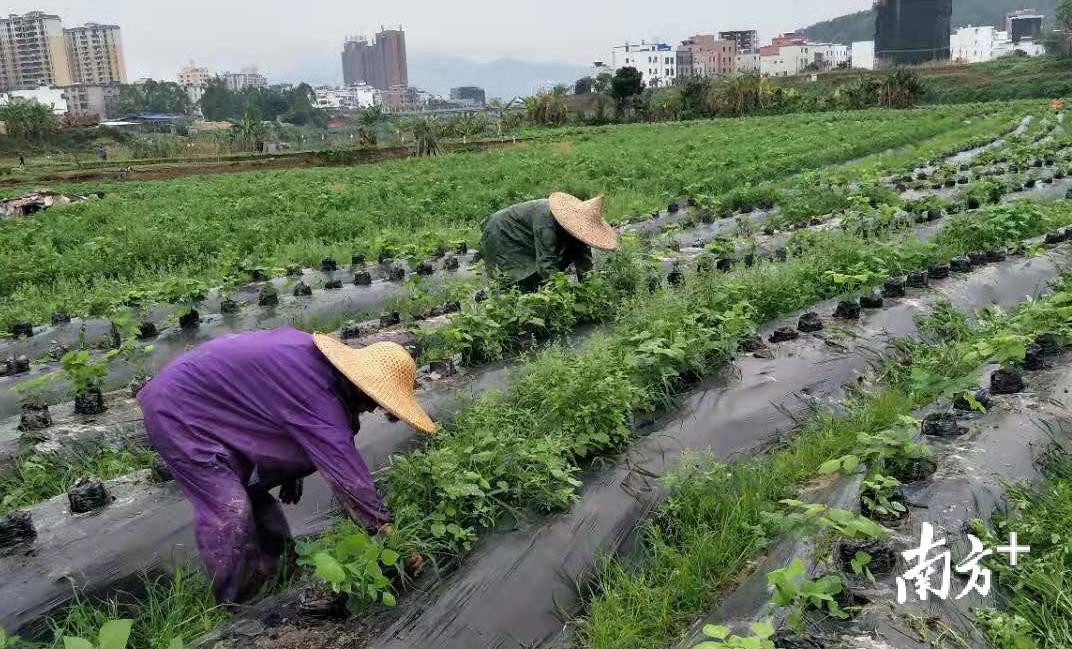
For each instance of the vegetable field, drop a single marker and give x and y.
(211, 229)
(820, 332)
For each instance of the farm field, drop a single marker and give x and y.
(211, 229)
(848, 309)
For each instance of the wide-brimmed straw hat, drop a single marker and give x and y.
(584, 220)
(385, 372)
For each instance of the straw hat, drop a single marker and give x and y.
(584, 220)
(385, 372)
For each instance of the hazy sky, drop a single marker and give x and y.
(290, 38)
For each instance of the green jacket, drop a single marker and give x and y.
(524, 242)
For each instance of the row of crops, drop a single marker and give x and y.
(217, 229)
(672, 310)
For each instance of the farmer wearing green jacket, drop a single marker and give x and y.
(529, 242)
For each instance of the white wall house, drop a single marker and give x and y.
(788, 61)
(973, 44)
(347, 97)
(863, 55)
(657, 62)
(52, 97)
(980, 44)
(748, 63)
(830, 56)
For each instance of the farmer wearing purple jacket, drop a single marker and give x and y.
(243, 414)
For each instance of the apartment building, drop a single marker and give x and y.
(380, 63)
(657, 62)
(33, 52)
(703, 55)
(247, 78)
(746, 40)
(95, 54)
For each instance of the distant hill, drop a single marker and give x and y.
(860, 26)
(504, 78)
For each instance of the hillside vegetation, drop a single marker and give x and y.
(860, 26)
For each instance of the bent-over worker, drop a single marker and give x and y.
(274, 406)
(529, 242)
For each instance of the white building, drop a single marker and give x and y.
(973, 44)
(657, 62)
(830, 56)
(797, 58)
(863, 55)
(787, 61)
(980, 44)
(247, 78)
(747, 63)
(45, 95)
(194, 80)
(353, 97)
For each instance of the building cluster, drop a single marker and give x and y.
(195, 80)
(376, 73)
(727, 54)
(898, 44)
(907, 32)
(76, 70)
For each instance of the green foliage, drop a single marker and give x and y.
(795, 591)
(721, 638)
(29, 121)
(113, 634)
(348, 560)
(153, 97)
(83, 371)
(877, 496)
(817, 517)
(38, 477)
(889, 449)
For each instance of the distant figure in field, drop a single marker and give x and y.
(22, 160)
(529, 242)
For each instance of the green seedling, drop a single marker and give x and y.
(113, 634)
(813, 517)
(793, 590)
(877, 495)
(860, 562)
(721, 638)
(352, 562)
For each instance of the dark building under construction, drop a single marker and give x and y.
(380, 63)
(911, 32)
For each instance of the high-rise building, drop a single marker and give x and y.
(468, 95)
(747, 40)
(33, 52)
(380, 63)
(95, 54)
(911, 32)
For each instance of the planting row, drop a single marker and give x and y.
(207, 229)
(465, 622)
(841, 579)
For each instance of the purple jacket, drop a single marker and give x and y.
(263, 400)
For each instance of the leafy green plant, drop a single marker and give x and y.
(893, 447)
(820, 517)
(878, 496)
(859, 564)
(113, 634)
(793, 590)
(721, 638)
(83, 371)
(351, 561)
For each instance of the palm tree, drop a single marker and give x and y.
(426, 135)
(369, 119)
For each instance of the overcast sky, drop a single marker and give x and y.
(288, 39)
